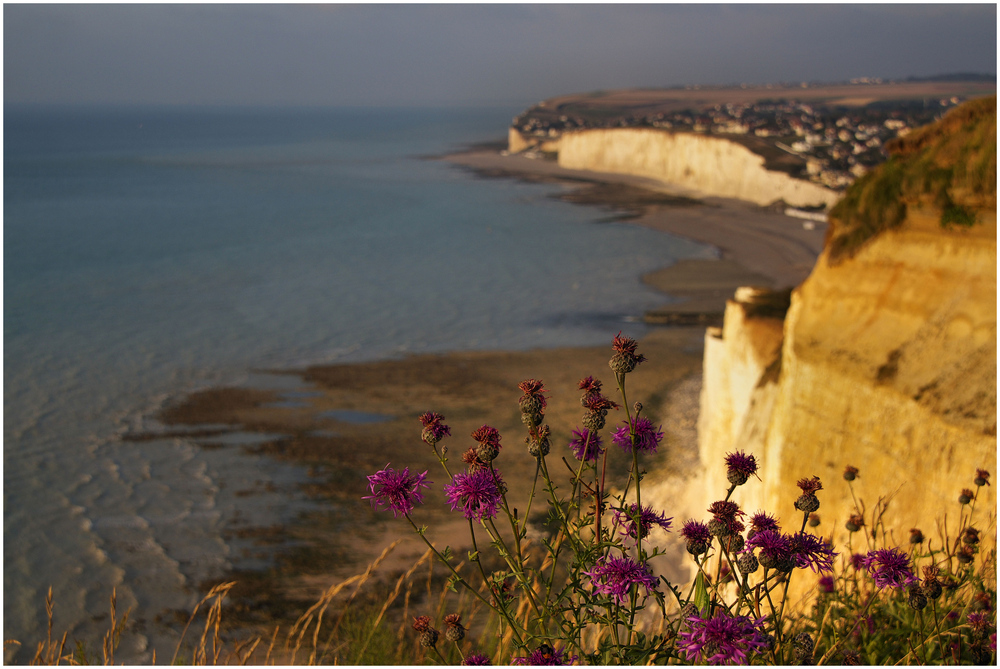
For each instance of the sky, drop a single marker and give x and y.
(466, 54)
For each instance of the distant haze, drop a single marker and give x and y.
(427, 55)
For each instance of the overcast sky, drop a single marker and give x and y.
(466, 54)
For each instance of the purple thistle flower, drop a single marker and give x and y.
(695, 531)
(647, 437)
(476, 660)
(890, 567)
(723, 639)
(396, 490)
(476, 493)
(698, 536)
(487, 435)
(826, 583)
(590, 385)
(434, 430)
(979, 622)
(761, 521)
(774, 546)
(740, 467)
(545, 656)
(616, 576)
(726, 513)
(584, 450)
(647, 518)
(810, 551)
(857, 561)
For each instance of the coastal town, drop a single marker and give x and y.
(830, 145)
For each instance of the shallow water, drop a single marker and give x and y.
(152, 252)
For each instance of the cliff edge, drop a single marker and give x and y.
(886, 359)
(692, 163)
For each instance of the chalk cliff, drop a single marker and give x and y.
(886, 359)
(710, 166)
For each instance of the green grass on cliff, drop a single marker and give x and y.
(950, 165)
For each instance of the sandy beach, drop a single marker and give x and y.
(359, 417)
(771, 248)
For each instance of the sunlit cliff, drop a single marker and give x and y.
(886, 359)
(709, 166)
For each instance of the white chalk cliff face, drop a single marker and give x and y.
(887, 363)
(709, 165)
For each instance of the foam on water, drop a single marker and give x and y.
(149, 253)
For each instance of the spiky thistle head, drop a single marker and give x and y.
(396, 490)
(740, 466)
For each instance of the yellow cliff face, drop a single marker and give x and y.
(710, 165)
(887, 359)
(888, 364)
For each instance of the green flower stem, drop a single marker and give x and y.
(637, 517)
(440, 656)
(461, 579)
(538, 467)
(577, 488)
(518, 569)
(475, 548)
(510, 517)
(788, 580)
(861, 616)
(600, 494)
(558, 507)
(444, 462)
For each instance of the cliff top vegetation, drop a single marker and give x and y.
(950, 165)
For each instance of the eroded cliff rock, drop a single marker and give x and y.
(711, 166)
(886, 360)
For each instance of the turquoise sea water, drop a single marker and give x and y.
(149, 252)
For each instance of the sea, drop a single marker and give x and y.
(151, 252)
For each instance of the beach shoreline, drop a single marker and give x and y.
(769, 245)
(472, 388)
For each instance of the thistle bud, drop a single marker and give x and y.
(803, 648)
(807, 503)
(429, 637)
(965, 496)
(455, 631)
(538, 442)
(916, 597)
(747, 563)
(531, 420)
(594, 421)
(850, 658)
(850, 473)
(530, 404)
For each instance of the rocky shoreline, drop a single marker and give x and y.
(350, 420)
